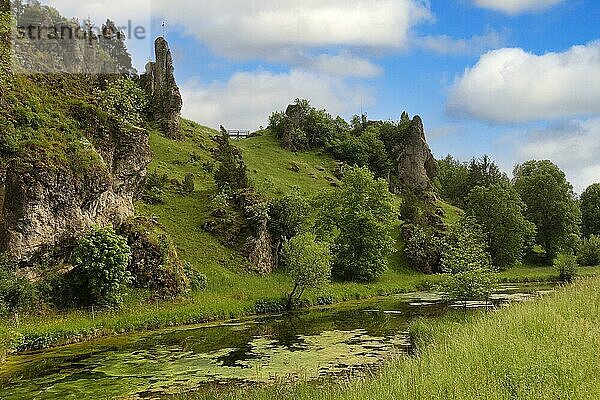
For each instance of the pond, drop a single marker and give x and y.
(345, 339)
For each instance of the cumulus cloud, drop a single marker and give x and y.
(261, 28)
(510, 85)
(247, 99)
(513, 7)
(573, 145)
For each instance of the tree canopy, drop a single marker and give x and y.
(357, 219)
(551, 205)
(499, 210)
(590, 210)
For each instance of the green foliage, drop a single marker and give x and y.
(289, 215)
(232, 172)
(357, 218)
(155, 188)
(154, 262)
(484, 172)
(474, 284)
(452, 180)
(465, 248)
(422, 247)
(198, 281)
(499, 210)
(551, 205)
(589, 252)
(308, 263)
(125, 101)
(466, 261)
(590, 210)
(456, 180)
(17, 294)
(101, 259)
(566, 265)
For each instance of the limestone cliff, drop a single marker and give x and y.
(159, 82)
(42, 209)
(416, 165)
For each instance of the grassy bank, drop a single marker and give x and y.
(547, 349)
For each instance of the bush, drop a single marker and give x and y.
(422, 248)
(17, 294)
(357, 219)
(124, 100)
(100, 267)
(589, 252)
(566, 264)
(198, 281)
(232, 172)
(155, 263)
(155, 188)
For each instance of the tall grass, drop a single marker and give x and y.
(547, 349)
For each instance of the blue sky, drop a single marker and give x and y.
(516, 79)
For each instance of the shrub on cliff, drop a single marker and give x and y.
(100, 263)
(154, 262)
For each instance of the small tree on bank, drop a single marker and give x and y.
(468, 264)
(309, 264)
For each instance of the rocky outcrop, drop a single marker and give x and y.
(262, 250)
(44, 209)
(159, 82)
(416, 165)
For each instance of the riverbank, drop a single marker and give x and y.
(547, 349)
(55, 329)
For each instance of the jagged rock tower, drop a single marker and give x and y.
(159, 82)
(416, 165)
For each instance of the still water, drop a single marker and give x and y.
(345, 339)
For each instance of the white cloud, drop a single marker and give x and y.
(248, 98)
(574, 146)
(343, 65)
(474, 45)
(262, 28)
(513, 7)
(510, 85)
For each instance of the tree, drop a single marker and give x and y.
(288, 217)
(551, 206)
(309, 264)
(466, 261)
(357, 218)
(452, 180)
(232, 172)
(112, 41)
(590, 210)
(484, 172)
(589, 252)
(499, 210)
(100, 260)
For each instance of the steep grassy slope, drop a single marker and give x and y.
(270, 172)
